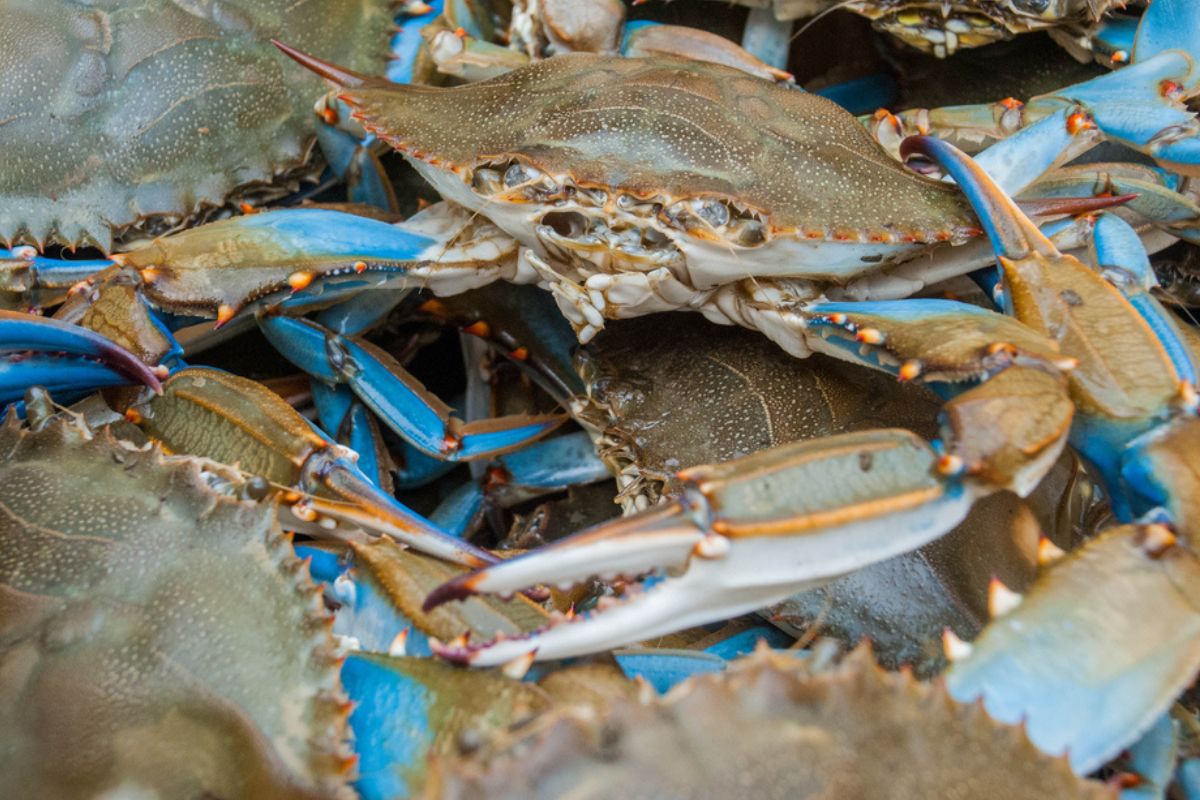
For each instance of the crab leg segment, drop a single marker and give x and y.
(396, 396)
(213, 414)
(39, 348)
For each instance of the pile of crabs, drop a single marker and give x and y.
(563, 398)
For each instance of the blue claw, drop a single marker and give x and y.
(22, 334)
(400, 401)
(555, 464)
(362, 312)
(351, 160)
(459, 513)
(415, 468)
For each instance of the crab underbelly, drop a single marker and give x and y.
(697, 262)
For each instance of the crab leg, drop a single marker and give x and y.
(348, 422)
(396, 396)
(31, 281)
(749, 531)
(1140, 105)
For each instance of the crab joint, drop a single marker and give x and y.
(224, 314)
(714, 545)
(869, 336)
(1079, 121)
(1157, 539)
(480, 329)
(950, 465)
(300, 280)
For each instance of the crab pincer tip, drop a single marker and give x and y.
(346, 78)
(129, 365)
(459, 588)
(453, 653)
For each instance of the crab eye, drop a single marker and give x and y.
(1032, 6)
(519, 174)
(747, 232)
(487, 181)
(713, 212)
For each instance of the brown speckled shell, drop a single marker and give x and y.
(118, 116)
(673, 128)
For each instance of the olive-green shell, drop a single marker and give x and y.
(673, 128)
(768, 728)
(122, 114)
(157, 638)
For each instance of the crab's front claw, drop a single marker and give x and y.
(59, 355)
(1008, 415)
(398, 398)
(747, 533)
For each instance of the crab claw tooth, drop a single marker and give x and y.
(520, 665)
(26, 332)
(399, 644)
(343, 77)
(660, 538)
(1012, 234)
(954, 648)
(1048, 552)
(1001, 599)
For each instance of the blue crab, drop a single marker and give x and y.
(612, 236)
(738, 528)
(158, 599)
(942, 28)
(128, 118)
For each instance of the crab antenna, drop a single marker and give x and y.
(345, 78)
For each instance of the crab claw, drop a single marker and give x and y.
(25, 334)
(1121, 392)
(747, 533)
